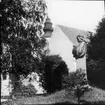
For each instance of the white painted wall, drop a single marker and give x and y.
(81, 63)
(60, 44)
(5, 87)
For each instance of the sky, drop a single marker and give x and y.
(83, 15)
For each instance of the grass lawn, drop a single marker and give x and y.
(95, 96)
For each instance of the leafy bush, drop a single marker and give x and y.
(77, 82)
(96, 69)
(54, 70)
(26, 91)
(75, 78)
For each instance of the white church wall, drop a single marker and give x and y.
(81, 63)
(60, 44)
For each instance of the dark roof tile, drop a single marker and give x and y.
(72, 33)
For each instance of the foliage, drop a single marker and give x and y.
(96, 56)
(25, 91)
(96, 50)
(21, 30)
(76, 78)
(54, 70)
(77, 82)
(96, 69)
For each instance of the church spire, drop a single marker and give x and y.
(48, 25)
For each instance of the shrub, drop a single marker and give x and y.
(75, 78)
(77, 82)
(26, 91)
(96, 69)
(54, 70)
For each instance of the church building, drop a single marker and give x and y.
(61, 40)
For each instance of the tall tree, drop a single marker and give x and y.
(21, 42)
(96, 56)
(97, 49)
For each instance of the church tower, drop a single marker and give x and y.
(48, 29)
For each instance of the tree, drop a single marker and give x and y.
(21, 42)
(96, 56)
(97, 49)
(53, 72)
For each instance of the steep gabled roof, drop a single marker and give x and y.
(72, 33)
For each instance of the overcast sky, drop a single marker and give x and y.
(83, 15)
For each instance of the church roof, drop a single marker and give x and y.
(72, 33)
